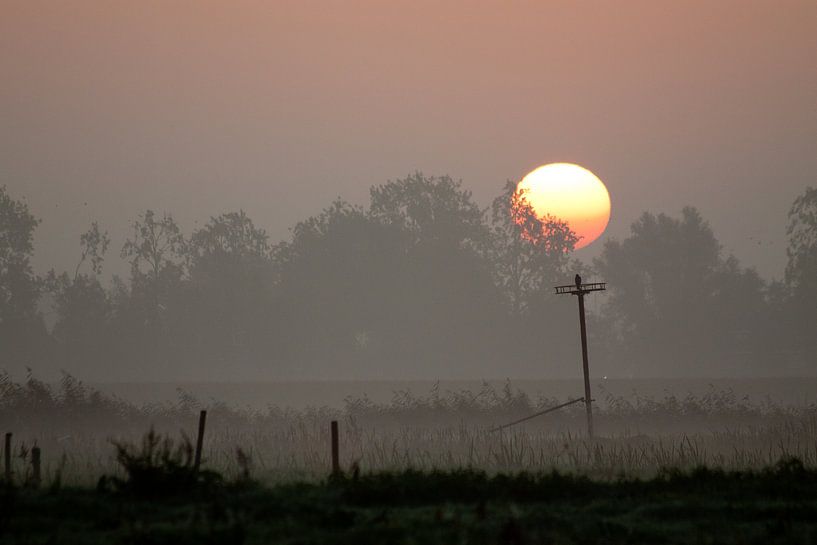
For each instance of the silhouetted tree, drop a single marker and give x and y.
(452, 308)
(22, 333)
(93, 244)
(83, 310)
(149, 311)
(231, 238)
(801, 277)
(156, 247)
(529, 254)
(19, 288)
(232, 282)
(339, 278)
(433, 210)
(399, 289)
(421, 280)
(675, 306)
(156, 253)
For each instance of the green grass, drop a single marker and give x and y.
(775, 505)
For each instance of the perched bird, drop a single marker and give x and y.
(578, 280)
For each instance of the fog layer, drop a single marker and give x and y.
(420, 283)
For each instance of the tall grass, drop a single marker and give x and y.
(77, 426)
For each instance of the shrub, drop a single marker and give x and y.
(160, 467)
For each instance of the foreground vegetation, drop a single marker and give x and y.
(774, 505)
(74, 427)
(705, 469)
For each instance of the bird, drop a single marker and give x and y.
(578, 280)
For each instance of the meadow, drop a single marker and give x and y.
(637, 436)
(775, 505)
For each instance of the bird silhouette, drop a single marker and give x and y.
(578, 280)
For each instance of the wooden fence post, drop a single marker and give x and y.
(200, 440)
(335, 448)
(35, 467)
(7, 457)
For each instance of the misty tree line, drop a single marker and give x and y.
(422, 283)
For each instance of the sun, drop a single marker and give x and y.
(572, 194)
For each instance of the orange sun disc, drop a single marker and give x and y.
(572, 194)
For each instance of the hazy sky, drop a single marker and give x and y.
(200, 107)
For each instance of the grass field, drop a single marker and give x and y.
(637, 436)
(775, 505)
(419, 469)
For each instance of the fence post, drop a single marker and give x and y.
(7, 457)
(200, 440)
(35, 467)
(335, 448)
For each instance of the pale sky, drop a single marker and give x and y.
(197, 108)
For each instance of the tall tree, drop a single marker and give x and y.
(447, 273)
(21, 328)
(676, 306)
(156, 246)
(529, 253)
(339, 291)
(19, 288)
(229, 238)
(156, 253)
(83, 309)
(528, 256)
(801, 271)
(396, 290)
(801, 276)
(149, 312)
(231, 281)
(434, 210)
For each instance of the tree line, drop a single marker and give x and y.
(421, 283)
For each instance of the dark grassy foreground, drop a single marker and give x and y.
(777, 505)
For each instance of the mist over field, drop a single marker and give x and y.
(314, 205)
(421, 283)
(327, 272)
(250, 191)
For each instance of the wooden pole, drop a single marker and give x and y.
(35, 467)
(7, 457)
(335, 448)
(200, 440)
(586, 367)
(580, 290)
